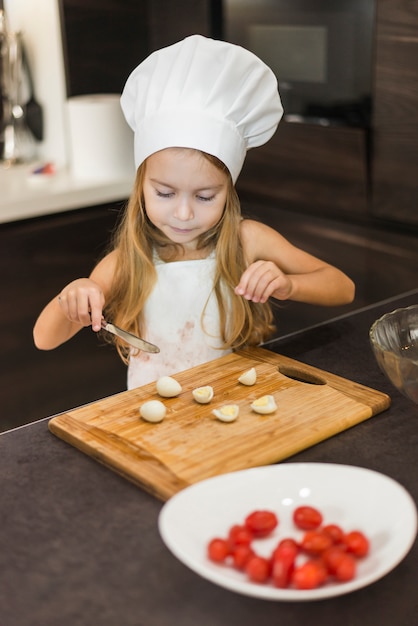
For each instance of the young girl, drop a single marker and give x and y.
(186, 271)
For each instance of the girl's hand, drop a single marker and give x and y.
(261, 280)
(82, 302)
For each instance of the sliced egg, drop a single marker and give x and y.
(203, 395)
(168, 387)
(264, 405)
(227, 412)
(152, 411)
(249, 377)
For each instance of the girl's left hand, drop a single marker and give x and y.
(263, 279)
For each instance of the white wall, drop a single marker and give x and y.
(39, 22)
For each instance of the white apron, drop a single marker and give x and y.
(173, 321)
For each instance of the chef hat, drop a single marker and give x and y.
(200, 93)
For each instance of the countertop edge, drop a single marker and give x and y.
(25, 195)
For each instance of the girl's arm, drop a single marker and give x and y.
(278, 269)
(79, 304)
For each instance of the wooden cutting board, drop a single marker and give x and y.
(190, 444)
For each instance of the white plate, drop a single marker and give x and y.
(353, 497)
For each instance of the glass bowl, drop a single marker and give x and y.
(394, 339)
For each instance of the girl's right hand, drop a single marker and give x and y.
(82, 302)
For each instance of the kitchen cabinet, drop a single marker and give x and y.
(105, 39)
(171, 21)
(37, 258)
(362, 173)
(395, 118)
(309, 167)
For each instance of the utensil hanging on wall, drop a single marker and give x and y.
(32, 108)
(21, 120)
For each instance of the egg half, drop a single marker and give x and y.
(152, 411)
(264, 405)
(227, 412)
(168, 387)
(203, 395)
(249, 377)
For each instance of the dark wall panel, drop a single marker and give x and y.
(103, 40)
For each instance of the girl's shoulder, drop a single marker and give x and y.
(250, 227)
(108, 262)
(104, 271)
(252, 230)
(259, 240)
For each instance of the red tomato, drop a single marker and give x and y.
(339, 563)
(240, 535)
(307, 517)
(286, 546)
(315, 541)
(333, 557)
(357, 543)
(335, 532)
(218, 550)
(283, 562)
(258, 569)
(346, 568)
(310, 575)
(261, 523)
(282, 570)
(241, 555)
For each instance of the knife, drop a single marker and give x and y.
(133, 340)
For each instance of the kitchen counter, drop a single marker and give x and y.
(24, 195)
(80, 545)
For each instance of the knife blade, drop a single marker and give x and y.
(133, 340)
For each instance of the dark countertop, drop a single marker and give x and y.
(79, 545)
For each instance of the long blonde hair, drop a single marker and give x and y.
(241, 322)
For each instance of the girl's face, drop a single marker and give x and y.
(184, 194)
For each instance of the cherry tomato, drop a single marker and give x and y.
(258, 569)
(286, 546)
(310, 575)
(282, 571)
(332, 557)
(335, 532)
(340, 563)
(218, 550)
(283, 562)
(315, 542)
(240, 535)
(261, 523)
(307, 517)
(241, 555)
(357, 543)
(346, 568)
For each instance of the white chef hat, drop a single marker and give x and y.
(205, 94)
